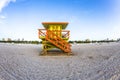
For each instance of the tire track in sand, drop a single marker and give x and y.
(14, 77)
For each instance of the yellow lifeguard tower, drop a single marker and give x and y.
(54, 36)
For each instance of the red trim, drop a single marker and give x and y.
(54, 22)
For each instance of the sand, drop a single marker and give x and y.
(89, 62)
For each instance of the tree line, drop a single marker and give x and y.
(9, 40)
(94, 41)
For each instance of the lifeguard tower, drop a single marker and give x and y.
(55, 36)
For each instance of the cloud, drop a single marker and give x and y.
(4, 3)
(1, 22)
(2, 17)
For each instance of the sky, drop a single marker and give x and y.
(88, 19)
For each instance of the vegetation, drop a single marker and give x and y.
(93, 41)
(9, 40)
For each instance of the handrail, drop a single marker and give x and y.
(55, 35)
(41, 33)
(66, 35)
(55, 39)
(58, 40)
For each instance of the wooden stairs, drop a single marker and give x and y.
(55, 39)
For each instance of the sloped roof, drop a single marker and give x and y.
(63, 24)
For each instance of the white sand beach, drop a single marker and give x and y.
(89, 62)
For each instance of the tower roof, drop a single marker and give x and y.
(63, 24)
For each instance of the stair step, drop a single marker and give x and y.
(59, 42)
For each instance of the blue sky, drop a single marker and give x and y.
(93, 19)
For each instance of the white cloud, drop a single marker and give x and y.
(1, 22)
(4, 3)
(2, 17)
